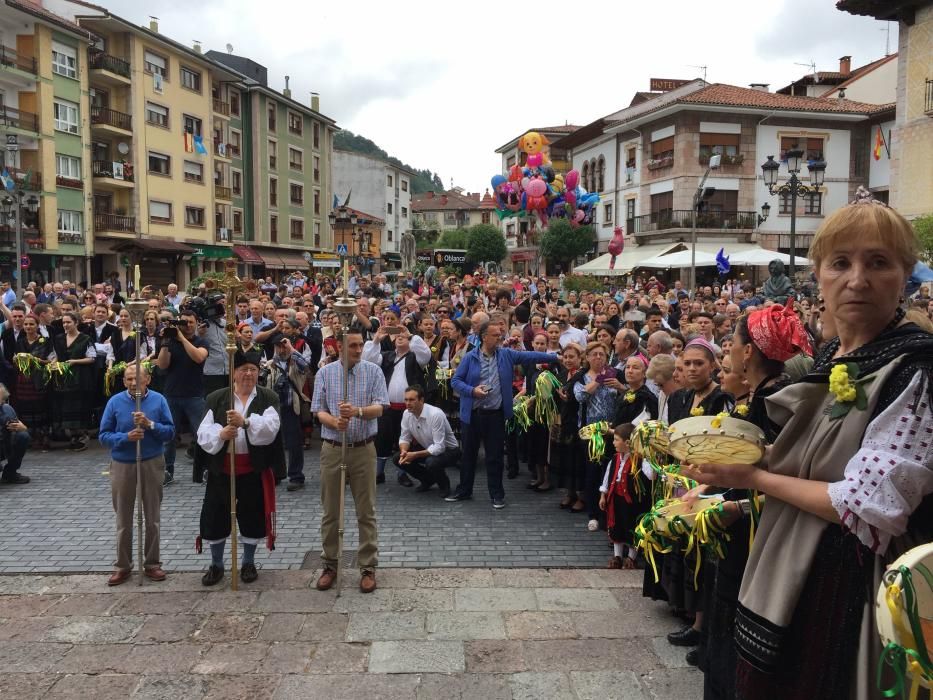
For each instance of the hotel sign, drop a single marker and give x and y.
(665, 84)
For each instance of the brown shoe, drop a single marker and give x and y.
(368, 581)
(119, 576)
(616, 563)
(154, 573)
(326, 581)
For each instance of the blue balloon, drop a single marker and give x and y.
(498, 180)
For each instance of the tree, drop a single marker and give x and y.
(923, 225)
(456, 238)
(564, 243)
(485, 244)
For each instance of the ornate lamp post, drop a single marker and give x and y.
(793, 188)
(342, 218)
(12, 205)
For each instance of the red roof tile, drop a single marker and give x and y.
(734, 96)
(444, 201)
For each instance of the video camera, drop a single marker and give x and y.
(209, 308)
(171, 329)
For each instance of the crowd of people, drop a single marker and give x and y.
(529, 370)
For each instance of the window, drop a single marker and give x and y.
(160, 212)
(67, 167)
(233, 146)
(486, 217)
(607, 214)
(69, 222)
(630, 159)
(812, 147)
(155, 64)
(192, 125)
(388, 181)
(317, 169)
(296, 228)
(160, 164)
(66, 116)
(317, 233)
(404, 185)
(194, 172)
(295, 159)
(274, 229)
(64, 60)
(629, 213)
(585, 175)
(296, 193)
(662, 205)
(236, 181)
(270, 115)
(600, 174)
(237, 222)
(389, 236)
(190, 79)
(316, 130)
(294, 123)
(156, 114)
(726, 145)
(662, 153)
(273, 160)
(273, 192)
(389, 208)
(194, 216)
(234, 103)
(317, 201)
(404, 212)
(813, 203)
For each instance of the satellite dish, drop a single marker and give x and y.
(229, 48)
(123, 147)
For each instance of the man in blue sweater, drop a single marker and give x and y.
(121, 428)
(484, 382)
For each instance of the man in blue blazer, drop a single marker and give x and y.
(484, 382)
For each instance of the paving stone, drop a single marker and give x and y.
(157, 603)
(349, 687)
(105, 686)
(522, 578)
(300, 601)
(288, 657)
(281, 627)
(572, 578)
(671, 656)
(97, 630)
(540, 686)
(540, 625)
(339, 657)
(397, 578)
(95, 658)
(251, 687)
(84, 604)
(364, 627)
(28, 629)
(171, 687)
(416, 657)
(422, 599)
(614, 624)
(227, 601)
(494, 656)
(18, 606)
(674, 684)
(454, 578)
(464, 625)
(224, 627)
(616, 578)
(588, 655)
(598, 685)
(353, 600)
(232, 658)
(494, 599)
(26, 686)
(324, 627)
(168, 628)
(463, 686)
(569, 599)
(150, 659)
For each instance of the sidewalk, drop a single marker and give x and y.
(425, 634)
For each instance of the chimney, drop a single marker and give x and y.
(429, 194)
(153, 24)
(760, 87)
(287, 92)
(842, 94)
(315, 102)
(197, 46)
(845, 66)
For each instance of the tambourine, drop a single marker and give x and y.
(443, 375)
(677, 518)
(650, 436)
(716, 440)
(904, 616)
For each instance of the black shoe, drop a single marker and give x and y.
(15, 478)
(687, 637)
(405, 480)
(248, 573)
(693, 657)
(444, 486)
(380, 478)
(169, 479)
(212, 576)
(457, 497)
(295, 486)
(512, 473)
(423, 486)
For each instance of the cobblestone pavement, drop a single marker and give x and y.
(424, 634)
(63, 522)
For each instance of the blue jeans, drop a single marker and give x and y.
(15, 445)
(488, 427)
(191, 407)
(293, 439)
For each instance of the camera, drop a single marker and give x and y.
(209, 308)
(171, 330)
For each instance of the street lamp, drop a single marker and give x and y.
(363, 239)
(697, 198)
(763, 216)
(793, 187)
(343, 218)
(12, 206)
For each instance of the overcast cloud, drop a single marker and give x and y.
(442, 85)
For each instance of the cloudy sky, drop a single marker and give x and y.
(441, 85)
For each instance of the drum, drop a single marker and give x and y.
(716, 440)
(677, 518)
(651, 438)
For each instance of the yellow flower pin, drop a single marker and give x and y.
(698, 411)
(629, 397)
(717, 421)
(742, 410)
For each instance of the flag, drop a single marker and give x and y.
(189, 142)
(8, 182)
(336, 202)
(199, 145)
(879, 143)
(722, 262)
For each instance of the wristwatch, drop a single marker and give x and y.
(246, 424)
(360, 412)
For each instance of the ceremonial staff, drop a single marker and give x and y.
(345, 308)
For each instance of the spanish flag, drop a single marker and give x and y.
(879, 144)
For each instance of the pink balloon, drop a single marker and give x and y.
(535, 160)
(578, 215)
(572, 179)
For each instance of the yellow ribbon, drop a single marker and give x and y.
(707, 534)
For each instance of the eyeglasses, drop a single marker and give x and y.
(443, 311)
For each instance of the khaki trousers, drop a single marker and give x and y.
(123, 491)
(361, 473)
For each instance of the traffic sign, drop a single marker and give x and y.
(12, 142)
(25, 262)
(342, 249)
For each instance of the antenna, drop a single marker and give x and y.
(812, 66)
(229, 48)
(887, 38)
(702, 68)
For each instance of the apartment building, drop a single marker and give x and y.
(43, 118)
(434, 213)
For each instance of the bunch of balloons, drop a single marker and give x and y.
(536, 190)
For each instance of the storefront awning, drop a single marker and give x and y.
(630, 258)
(292, 260)
(154, 245)
(212, 251)
(247, 254)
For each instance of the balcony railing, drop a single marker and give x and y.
(682, 218)
(18, 119)
(658, 163)
(222, 192)
(72, 182)
(221, 107)
(221, 149)
(111, 117)
(12, 59)
(25, 179)
(99, 60)
(222, 234)
(928, 98)
(113, 169)
(71, 237)
(233, 150)
(114, 222)
(737, 159)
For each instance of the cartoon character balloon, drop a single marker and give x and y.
(616, 245)
(533, 142)
(535, 199)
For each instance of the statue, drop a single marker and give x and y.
(778, 286)
(408, 251)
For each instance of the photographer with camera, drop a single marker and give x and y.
(14, 441)
(181, 357)
(212, 329)
(288, 371)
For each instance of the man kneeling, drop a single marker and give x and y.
(427, 445)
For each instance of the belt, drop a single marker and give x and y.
(487, 411)
(338, 443)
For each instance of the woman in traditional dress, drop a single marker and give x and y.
(73, 382)
(637, 399)
(849, 478)
(537, 437)
(31, 393)
(571, 453)
(661, 372)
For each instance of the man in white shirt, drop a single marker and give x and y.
(569, 333)
(174, 298)
(427, 445)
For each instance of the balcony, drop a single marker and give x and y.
(70, 182)
(221, 149)
(11, 59)
(928, 98)
(234, 150)
(112, 174)
(71, 237)
(662, 162)
(30, 180)
(221, 108)
(707, 222)
(18, 119)
(221, 192)
(222, 235)
(110, 120)
(108, 69)
(726, 160)
(114, 222)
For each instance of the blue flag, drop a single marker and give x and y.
(199, 145)
(722, 262)
(336, 202)
(8, 182)
(920, 275)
